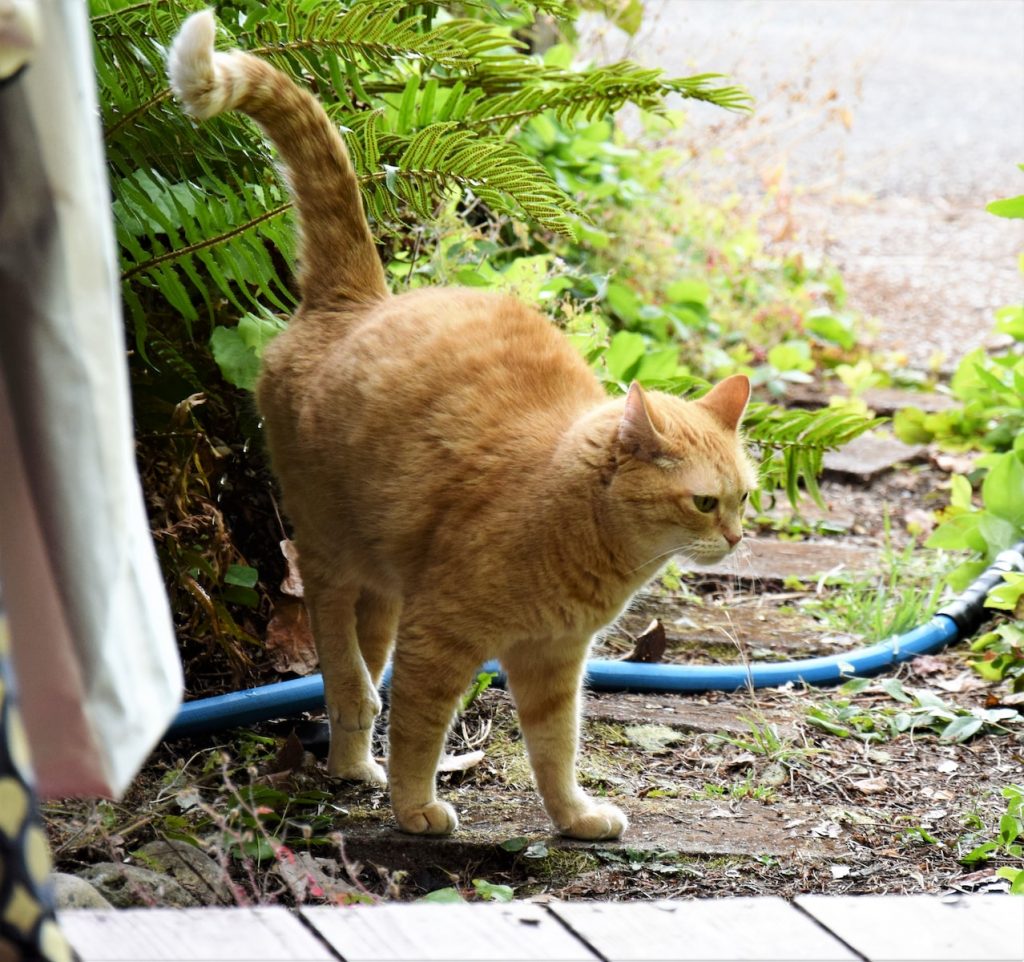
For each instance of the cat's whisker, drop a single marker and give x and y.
(680, 550)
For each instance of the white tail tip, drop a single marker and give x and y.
(195, 70)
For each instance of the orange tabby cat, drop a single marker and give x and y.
(460, 486)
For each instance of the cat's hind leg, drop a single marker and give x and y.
(546, 692)
(429, 674)
(349, 688)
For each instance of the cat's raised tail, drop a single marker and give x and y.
(337, 257)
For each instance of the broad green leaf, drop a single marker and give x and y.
(1007, 207)
(1003, 489)
(999, 534)
(492, 892)
(1007, 596)
(958, 534)
(237, 361)
(445, 896)
(893, 687)
(791, 356)
(961, 492)
(832, 329)
(962, 728)
(688, 290)
(623, 355)
(241, 575)
(624, 302)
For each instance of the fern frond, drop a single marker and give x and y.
(595, 93)
(419, 170)
(201, 215)
(793, 442)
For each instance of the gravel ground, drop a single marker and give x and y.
(881, 129)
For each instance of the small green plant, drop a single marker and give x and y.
(1006, 843)
(903, 595)
(764, 740)
(483, 891)
(483, 681)
(998, 655)
(987, 530)
(747, 788)
(918, 711)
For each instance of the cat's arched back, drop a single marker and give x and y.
(460, 485)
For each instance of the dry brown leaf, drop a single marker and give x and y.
(871, 786)
(290, 638)
(927, 665)
(292, 584)
(650, 645)
(965, 681)
(290, 755)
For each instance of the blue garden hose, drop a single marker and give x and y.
(959, 619)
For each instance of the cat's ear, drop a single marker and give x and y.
(728, 399)
(637, 435)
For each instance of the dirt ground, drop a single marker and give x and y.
(728, 793)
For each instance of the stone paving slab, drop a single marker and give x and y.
(682, 714)
(658, 826)
(889, 400)
(870, 455)
(885, 401)
(770, 561)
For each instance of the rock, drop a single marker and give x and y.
(769, 561)
(125, 886)
(686, 714)
(72, 892)
(870, 455)
(193, 869)
(889, 400)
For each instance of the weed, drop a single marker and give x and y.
(764, 740)
(904, 594)
(482, 890)
(748, 788)
(918, 711)
(483, 681)
(1005, 844)
(998, 655)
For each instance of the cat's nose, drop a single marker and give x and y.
(733, 537)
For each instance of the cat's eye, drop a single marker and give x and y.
(705, 503)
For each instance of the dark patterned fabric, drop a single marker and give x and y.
(28, 929)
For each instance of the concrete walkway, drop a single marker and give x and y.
(885, 128)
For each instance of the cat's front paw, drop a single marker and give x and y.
(434, 818)
(596, 822)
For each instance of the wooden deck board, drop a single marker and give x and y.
(516, 932)
(822, 928)
(909, 928)
(192, 935)
(713, 929)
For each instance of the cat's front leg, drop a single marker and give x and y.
(546, 692)
(349, 689)
(428, 677)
